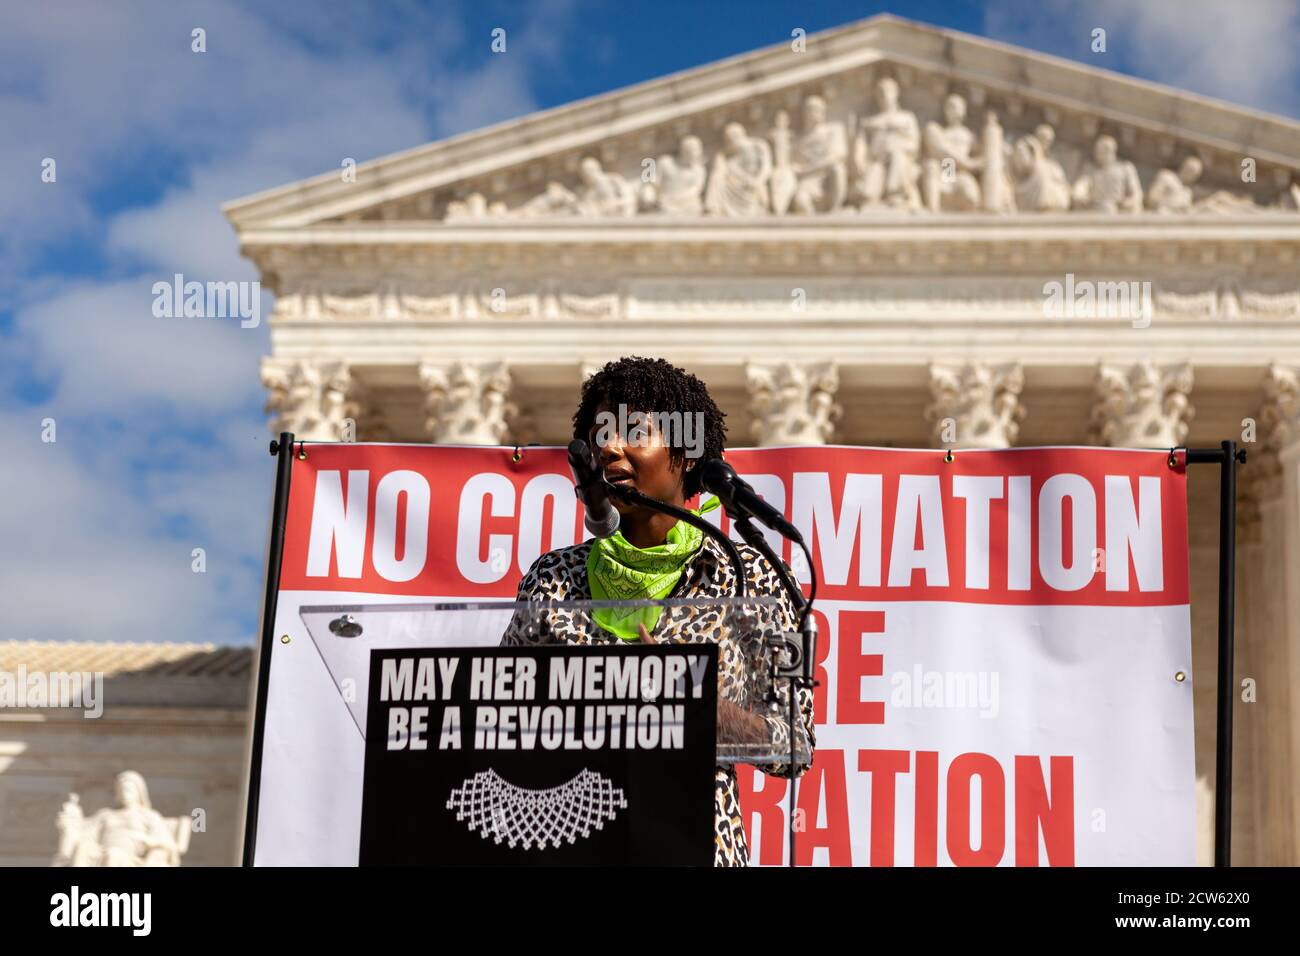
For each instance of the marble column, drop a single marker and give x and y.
(1273, 480)
(793, 403)
(316, 400)
(467, 403)
(1143, 405)
(975, 404)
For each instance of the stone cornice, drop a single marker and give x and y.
(1042, 245)
(839, 227)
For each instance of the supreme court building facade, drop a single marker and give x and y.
(886, 234)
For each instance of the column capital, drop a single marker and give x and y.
(467, 403)
(975, 404)
(317, 401)
(793, 403)
(1142, 405)
(1278, 425)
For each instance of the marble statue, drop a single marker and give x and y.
(1040, 182)
(681, 179)
(738, 184)
(1172, 192)
(556, 200)
(474, 206)
(602, 193)
(819, 161)
(1108, 183)
(948, 173)
(885, 153)
(1290, 198)
(132, 834)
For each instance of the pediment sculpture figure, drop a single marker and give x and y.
(885, 153)
(603, 193)
(1290, 198)
(949, 171)
(680, 191)
(131, 834)
(1108, 183)
(1171, 192)
(556, 200)
(819, 161)
(1175, 192)
(738, 184)
(1040, 182)
(475, 206)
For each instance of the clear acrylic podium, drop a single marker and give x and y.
(754, 727)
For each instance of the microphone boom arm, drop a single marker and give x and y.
(755, 539)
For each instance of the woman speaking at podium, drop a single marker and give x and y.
(654, 556)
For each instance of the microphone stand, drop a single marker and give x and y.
(803, 654)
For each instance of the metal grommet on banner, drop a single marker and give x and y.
(1180, 676)
(284, 639)
(302, 451)
(948, 457)
(518, 454)
(1173, 458)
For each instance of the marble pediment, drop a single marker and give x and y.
(883, 119)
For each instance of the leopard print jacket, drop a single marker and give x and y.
(561, 575)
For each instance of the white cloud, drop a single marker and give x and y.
(161, 443)
(1244, 53)
(88, 555)
(110, 357)
(119, 100)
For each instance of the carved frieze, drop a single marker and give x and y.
(882, 146)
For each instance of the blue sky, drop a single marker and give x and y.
(161, 439)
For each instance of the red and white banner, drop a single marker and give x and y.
(1004, 658)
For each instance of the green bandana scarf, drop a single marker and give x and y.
(619, 571)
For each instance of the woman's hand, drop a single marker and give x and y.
(735, 724)
(739, 726)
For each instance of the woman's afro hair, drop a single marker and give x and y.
(655, 386)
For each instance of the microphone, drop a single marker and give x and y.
(741, 500)
(590, 487)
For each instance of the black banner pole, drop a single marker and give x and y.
(282, 449)
(1227, 455)
(1227, 639)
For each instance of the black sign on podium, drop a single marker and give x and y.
(556, 755)
(548, 750)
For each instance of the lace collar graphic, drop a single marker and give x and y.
(515, 815)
